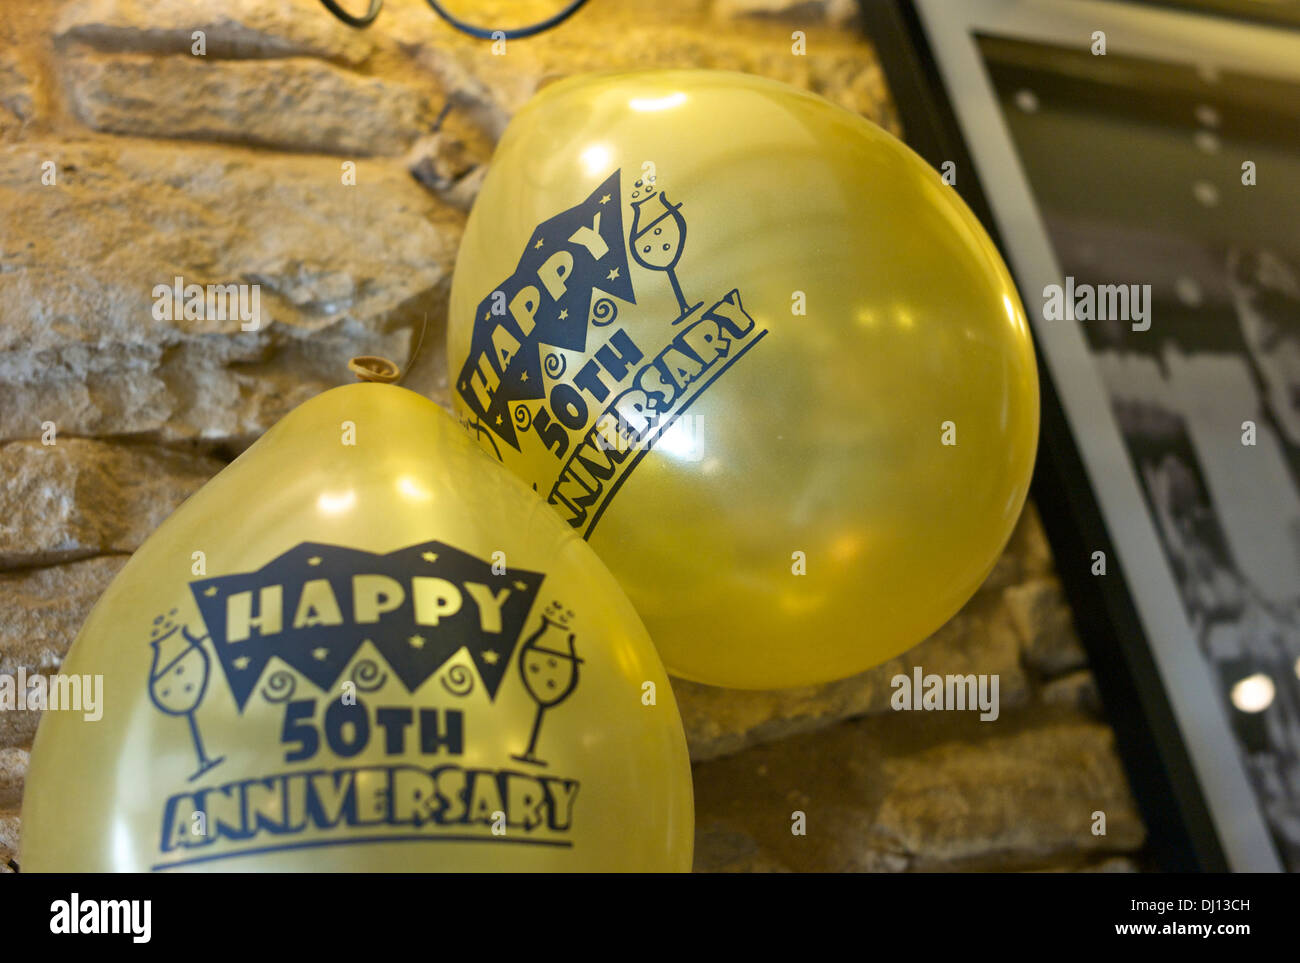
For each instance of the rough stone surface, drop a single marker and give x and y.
(839, 13)
(1042, 618)
(720, 848)
(892, 793)
(13, 767)
(342, 270)
(232, 28)
(18, 729)
(23, 87)
(977, 640)
(17, 92)
(490, 89)
(295, 105)
(1030, 792)
(1077, 691)
(1107, 864)
(8, 840)
(41, 610)
(448, 161)
(80, 497)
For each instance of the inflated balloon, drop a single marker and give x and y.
(756, 352)
(363, 647)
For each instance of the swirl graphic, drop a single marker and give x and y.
(367, 677)
(457, 680)
(523, 418)
(555, 366)
(603, 311)
(279, 687)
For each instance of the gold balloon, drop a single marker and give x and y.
(759, 354)
(389, 656)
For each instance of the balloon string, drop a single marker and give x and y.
(518, 33)
(365, 20)
(419, 343)
(483, 33)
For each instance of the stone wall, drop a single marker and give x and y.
(225, 168)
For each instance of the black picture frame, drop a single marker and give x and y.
(1153, 746)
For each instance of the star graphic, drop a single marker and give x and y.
(522, 586)
(498, 419)
(319, 653)
(429, 556)
(612, 275)
(210, 591)
(605, 199)
(241, 662)
(564, 314)
(487, 316)
(416, 641)
(538, 245)
(524, 376)
(490, 657)
(314, 560)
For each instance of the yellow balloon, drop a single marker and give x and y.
(363, 647)
(756, 352)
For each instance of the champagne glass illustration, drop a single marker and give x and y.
(658, 234)
(549, 667)
(178, 679)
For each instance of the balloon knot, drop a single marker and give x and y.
(372, 368)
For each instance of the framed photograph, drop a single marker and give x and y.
(1138, 164)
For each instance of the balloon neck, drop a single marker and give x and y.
(372, 368)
